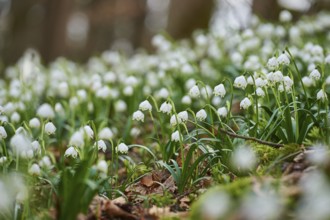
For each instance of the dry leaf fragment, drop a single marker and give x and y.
(147, 180)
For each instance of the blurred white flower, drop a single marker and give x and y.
(34, 123)
(222, 112)
(34, 170)
(176, 136)
(122, 148)
(102, 166)
(77, 139)
(186, 100)
(50, 128)
(105, 134)
(101, 145)
(244, 158)
(3, 133)
(128, 91)
(245, 103)
(240, 82)
(138, 116)
(120, 106)
(135, 132)
(201, 115)
(15, 117)
(219, 90)
(163, 93)
(3, 160)
(263, 206)
(321, 95)
(260, 92)
(318, 154)
(194, 92)
(88, 131)
(45, 111)
(308, 82)
(315, 74)
(285, 16)
(145, 106)
(216, 206)
(71, 152)
(59, 109)
(36, 147)
(45, 162)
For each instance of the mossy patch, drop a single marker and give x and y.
(269, 156)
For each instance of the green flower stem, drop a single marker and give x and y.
(4, 148)
(299, 75)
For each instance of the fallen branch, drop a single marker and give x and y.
(275, 145)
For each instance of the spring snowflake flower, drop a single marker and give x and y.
(135, 132)
(128, 91)
(34, 123)
(176, 136)
(77, 139)
(260, 92)
(166, 108)
(277, 76)
(327, 80)
(102, 166)
(50, 128)
(288, 82)
(105, 134)
(36, 146)
(34, 170)
(145, 106)
(240, 82)
(194, 92)
(326, 60)
(308, 82)
(120, 106)
(201, 115)
(260, 82)
(3, 160)
(45, 111)
(88, 131)
(222, 112)
(59, 109)
(45, 162)
(173, 120)
(245, 103)
(15, 117)
(3, 133)
(272, 63)
(283, 59)
(183, 116)
(219, 90)
(186, 100)
(138, 116)
(321, 95)
(163, 93)
(122, 148)
(315, 74)
(285, 16)
(71, 152)
(101, 145)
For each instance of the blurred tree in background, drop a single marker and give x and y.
(78, 29)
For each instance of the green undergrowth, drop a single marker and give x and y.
(271, 159)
